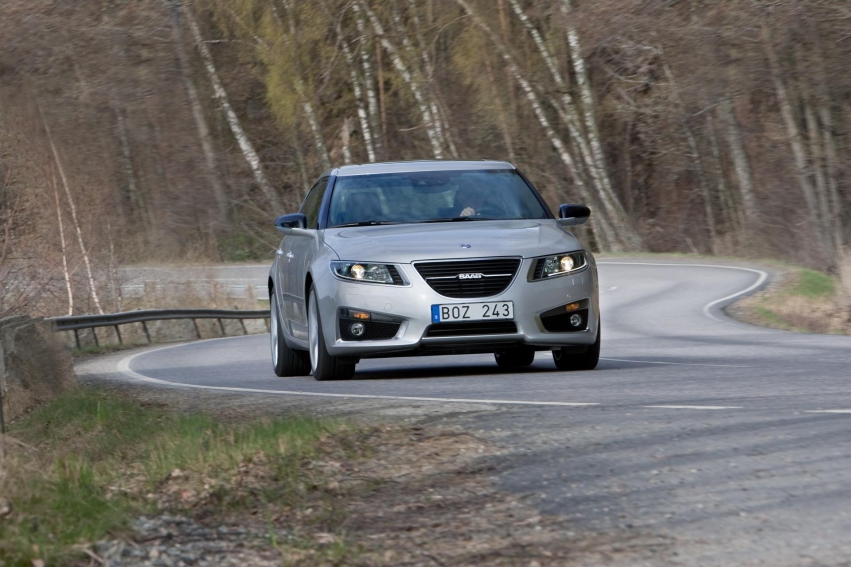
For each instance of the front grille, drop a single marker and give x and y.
(496, 275)
(471, 329)
(374, 330)
(558, 321)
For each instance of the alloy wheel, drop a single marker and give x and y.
(313, 331)
(273, 334)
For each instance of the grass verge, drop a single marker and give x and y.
(804, 301)
(82, 468)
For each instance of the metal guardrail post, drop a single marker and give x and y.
(147, 334)
(197, 330)
(118, 332)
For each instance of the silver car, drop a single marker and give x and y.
(430, 257)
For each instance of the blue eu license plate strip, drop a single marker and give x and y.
(435, 313)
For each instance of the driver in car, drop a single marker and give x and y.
(471, 200)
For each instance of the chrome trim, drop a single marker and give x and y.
(483, 276)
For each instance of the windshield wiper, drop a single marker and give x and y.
(364, 223)
(456, 219)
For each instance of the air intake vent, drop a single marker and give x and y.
(465, 279)
(471, 329)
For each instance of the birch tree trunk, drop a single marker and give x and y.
(500, 112)
(369, 81)
(570, 116)
(732, 215)
(589, 112)
(817, 165)
(604, 235)
(221, 95)
(741, 163)
(73, 208)
(832, 159)
(201, 125)
(413, 84)
(792, 131)
(362, 115)
(63, 247)
(313, 123)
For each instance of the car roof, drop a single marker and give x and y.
(416, 166)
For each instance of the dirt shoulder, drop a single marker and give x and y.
(169, 477)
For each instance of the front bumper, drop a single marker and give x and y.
(412, 303)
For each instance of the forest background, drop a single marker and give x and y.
(150, 131)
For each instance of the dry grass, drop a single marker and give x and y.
(804, 301)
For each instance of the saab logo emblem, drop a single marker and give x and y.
(466, 246)
(470, 276)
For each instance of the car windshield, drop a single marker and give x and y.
(432, 196)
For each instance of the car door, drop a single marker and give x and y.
(298, 257)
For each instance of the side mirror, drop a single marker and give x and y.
(295, 224)
(573, 215)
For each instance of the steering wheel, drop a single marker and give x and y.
(489, 210)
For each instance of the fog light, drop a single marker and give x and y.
(571, 307)
(576, 319)
(357, 329)
(360, 315)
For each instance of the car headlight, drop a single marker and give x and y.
(364, 272)
(559, 265)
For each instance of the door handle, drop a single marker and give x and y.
(278, 252)
(290, 255)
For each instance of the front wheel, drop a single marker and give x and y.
(285, 361)
(585, 361)
(324, 366)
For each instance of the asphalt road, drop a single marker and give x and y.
(724, 443)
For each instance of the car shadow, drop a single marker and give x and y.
(438, 370)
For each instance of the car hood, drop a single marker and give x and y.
(405, 243)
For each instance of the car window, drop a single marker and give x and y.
(313, 202)
(424, 196)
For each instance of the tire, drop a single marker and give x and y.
(516, 357)
(585, 361)
(324, 366)
(285, 361)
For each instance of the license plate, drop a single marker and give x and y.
(490, 311)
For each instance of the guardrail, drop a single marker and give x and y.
(76, 322)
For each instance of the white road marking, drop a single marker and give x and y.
(707, 309)
(695, 407)
(124, 368)
(675, 363)
(829, 411)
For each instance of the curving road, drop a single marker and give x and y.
(729, 443)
